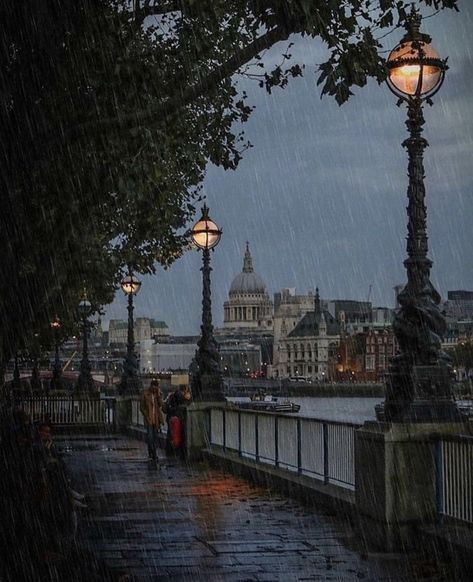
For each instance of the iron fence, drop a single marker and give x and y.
(69, 410)
(316, 448)
(454, 462)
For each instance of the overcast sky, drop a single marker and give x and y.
(321, 196)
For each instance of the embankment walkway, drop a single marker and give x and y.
(196, 523)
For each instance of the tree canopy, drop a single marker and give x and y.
(110, 113)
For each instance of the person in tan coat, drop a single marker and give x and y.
(151, 406)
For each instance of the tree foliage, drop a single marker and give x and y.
(111, 113)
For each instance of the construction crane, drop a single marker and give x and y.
(66, 365)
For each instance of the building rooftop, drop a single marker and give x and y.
(247, 281)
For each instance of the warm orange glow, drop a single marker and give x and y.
(205, 233)
(130, 285)
(410, 65)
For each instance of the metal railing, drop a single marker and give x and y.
(316, 448)
(60, 410)
(454, 464)
(136, 414)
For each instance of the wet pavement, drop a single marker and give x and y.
(196, 523)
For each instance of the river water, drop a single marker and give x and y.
(344, 409)
(347, 409)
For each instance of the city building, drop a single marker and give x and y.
(246, 338)
(309, 350)
(459, 305)
(289, 309)
(249, 309)
(353, 316)
(366, 356)
(241, 359)
(173, 355)
(144, 329)
(380, 346)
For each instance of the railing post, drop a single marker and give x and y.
(256, 439)
(299, 446)
(439, 479)
(115, 420)
(325, 445)
(224, 429)
(276, 442)
(209, 426)
(239, 433)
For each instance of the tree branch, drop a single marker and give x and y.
(183, 96)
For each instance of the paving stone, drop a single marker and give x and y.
(195, 523)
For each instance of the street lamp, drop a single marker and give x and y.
(130, 382)
(56, 381)
(419, 387)
(207, 383)
(85, 382)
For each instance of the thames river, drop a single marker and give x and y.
(349, 409)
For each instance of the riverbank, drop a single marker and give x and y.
(334, 390)
(245, 387)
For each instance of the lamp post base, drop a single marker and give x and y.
(420, 394)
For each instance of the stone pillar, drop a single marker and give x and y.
(395, 480)
(197, 429)
(123, 413)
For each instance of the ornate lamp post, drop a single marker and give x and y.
(420, 377)
(207, 383)
(130, 382)
(56, 381)
(85, 382)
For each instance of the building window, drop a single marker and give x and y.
(370, 363)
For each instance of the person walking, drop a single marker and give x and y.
(172, 403)
(151, 406)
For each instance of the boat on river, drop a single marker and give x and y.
(269, 403)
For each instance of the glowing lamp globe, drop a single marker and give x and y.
(415, 69)
(205, 233)
(130, 285)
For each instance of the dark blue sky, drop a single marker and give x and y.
(321, 196)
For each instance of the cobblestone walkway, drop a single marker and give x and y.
(195, 523)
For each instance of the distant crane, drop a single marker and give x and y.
(66, 365)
